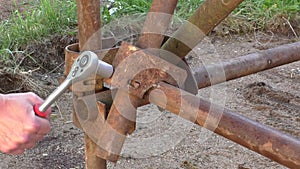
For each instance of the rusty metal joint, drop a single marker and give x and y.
(139, 70)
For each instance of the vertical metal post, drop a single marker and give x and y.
(89, 24)
(89, 33)
(91, 160)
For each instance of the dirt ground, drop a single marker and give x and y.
(271, 97)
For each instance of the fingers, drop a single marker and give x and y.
(29, 96)
(41, 126)
(16, 152)
(18, 149)
(19, 144)
(33, 98)
(14, 148)
(36, 100)
(13, 151)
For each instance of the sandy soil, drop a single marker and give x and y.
(271, 97)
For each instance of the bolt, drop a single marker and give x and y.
(269, 61)
(135, 84)
(84, 60)
(75, 71)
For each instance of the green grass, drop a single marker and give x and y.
(249, 16)
(253, 14)
(44, 18)
(267, 9)
(119, 8)
(186, 8)
(47, 17)
(265, 13)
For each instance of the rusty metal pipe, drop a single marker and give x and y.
(157, 23)
(246, 65)
(119, 123)
(91, 160)
(89, 34)
(264, 140)
(89, 24)
(202, 22)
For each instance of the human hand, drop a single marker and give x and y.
(20, 128)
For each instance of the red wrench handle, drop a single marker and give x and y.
(38, 112)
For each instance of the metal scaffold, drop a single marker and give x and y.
(113, 123)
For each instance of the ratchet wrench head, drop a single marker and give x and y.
(85, 65)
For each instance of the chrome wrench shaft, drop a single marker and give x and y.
(85, 65)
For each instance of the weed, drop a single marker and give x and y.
(185, 8)
(265, 14)
(113, 9)
(46, 17)
(41, 20)
(249, 16)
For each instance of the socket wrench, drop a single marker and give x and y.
(85, 65)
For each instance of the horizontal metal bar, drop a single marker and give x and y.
(245, 65)
(264, 140)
